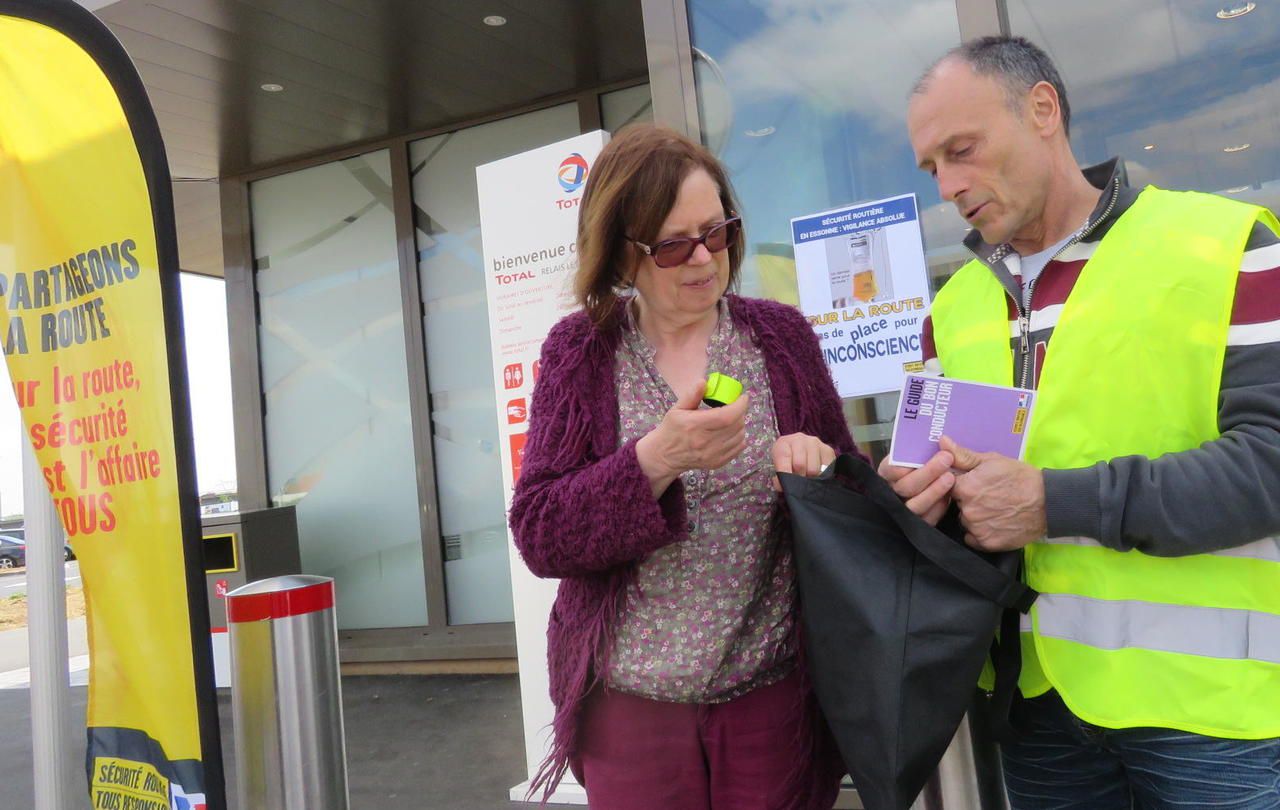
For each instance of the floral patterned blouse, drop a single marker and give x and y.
(708, 619)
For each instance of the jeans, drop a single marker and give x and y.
(1060, 762)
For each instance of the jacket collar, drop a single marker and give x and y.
(1108, 175)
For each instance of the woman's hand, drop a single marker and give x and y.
(801, 454)
(692, 439)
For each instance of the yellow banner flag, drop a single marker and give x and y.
(91, 330)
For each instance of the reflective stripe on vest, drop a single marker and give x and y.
(1134, 368)
(1267, 548)
(1116, 625)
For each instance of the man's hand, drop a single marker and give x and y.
(1001, 500)
(927, 490)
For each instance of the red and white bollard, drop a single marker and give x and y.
(287, 695)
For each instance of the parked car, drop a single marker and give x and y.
(13, 553)
(18, 535)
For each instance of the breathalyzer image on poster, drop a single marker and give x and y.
(859, 268)
(864, 285)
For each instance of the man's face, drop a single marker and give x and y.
(989, 161)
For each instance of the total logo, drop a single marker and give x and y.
(572, 173)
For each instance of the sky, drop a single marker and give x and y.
(204, 312)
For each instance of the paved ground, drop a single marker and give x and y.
(14, 653)
(446, 742)
(434, 743)
(15, 583)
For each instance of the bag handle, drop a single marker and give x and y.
(1006, 660)
(955, 558)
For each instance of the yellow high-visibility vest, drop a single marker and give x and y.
(1134, 368)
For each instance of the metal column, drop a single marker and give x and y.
(287, 695)
(56, 785)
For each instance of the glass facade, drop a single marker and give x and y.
(464, 431)
(332, 352)
(805, 102)
(629, 106)
(338, 425)
(804, 135)
(1196, 106)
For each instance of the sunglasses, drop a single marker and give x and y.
(675, 252)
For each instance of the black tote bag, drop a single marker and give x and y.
(898, 618)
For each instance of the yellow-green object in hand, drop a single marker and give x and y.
(721, 390)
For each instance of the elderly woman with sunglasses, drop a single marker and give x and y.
(672, 646)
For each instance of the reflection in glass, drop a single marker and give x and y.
(339, 442)
(1180, 94)
(464, 430)
(805, 102)
(627, 106)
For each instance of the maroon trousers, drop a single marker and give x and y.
(746, 754)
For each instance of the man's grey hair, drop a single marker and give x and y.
(1015, 62)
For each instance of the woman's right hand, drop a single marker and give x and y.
(692, 439)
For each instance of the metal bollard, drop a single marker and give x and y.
(968, 777)
(287, 695)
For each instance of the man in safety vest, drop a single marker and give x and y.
(1149, 322)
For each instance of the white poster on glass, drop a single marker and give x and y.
(528, 228)
(864, 285)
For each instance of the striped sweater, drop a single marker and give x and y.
(1220, 495)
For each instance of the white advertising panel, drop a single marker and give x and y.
(528, 223)
(864, 285)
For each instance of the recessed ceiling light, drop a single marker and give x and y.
(1237, 189)
(272, 87)
(495, 20)
(1149, 147)
(1238, 148)
(1235, 9)
(760, 133)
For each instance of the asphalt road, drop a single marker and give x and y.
(16, 584)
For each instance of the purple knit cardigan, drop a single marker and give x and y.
(583, 510)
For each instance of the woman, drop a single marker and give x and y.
(672, 646)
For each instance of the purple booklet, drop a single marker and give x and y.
(986, 418)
